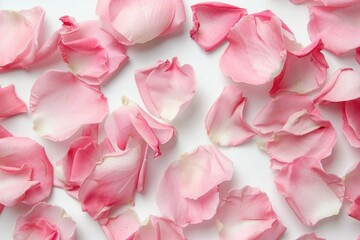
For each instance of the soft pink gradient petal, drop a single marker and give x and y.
(300, 179)
(337, 27)
(166, 88)
(310, 236)
(45, 221)
(351, 125)
(329, 3)
(304, 70)
(352, 183)
(4, 133)
(354, 209)
(224, 121)
(60, 105)
(257, 48)
(212, 22)
(247, 214)
(10, 103)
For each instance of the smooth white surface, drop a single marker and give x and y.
(250, 163)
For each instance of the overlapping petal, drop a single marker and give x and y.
(166, 88)
(224, 121)
(247, 214)
(352, 183)
(45, 221)
(10, 103)
(310, 236)
(351, 125)
(60, 104)
(300, 179)
(190, 202)
(212, 22)
(354, 209)
(158, 18)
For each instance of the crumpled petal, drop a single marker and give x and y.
(247, 214)
(278, 109)
(60, 104)
(310, 236)
(45, 221)
(92, 54)
(158, 18)
(26, 174)
(300, 179)
(257, 48)
(351, 125)
(304, 70)
(304, 135)
(166, 88)
(10, 103)
(191, 202)
(354, 209)
(344, 85)
(224, 121)
(212, 22)
(337, 27)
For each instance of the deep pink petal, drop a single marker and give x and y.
(224, 121)
(10, 103)
(300, 179)
(310, 236)
(61, 104)
(354, 209)
(358, 55)
(351, 125)
(212, 22)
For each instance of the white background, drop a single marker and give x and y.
(250, 163)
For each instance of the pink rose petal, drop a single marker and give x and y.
(158, 18)
(10, 103)
(310, 236)
(358, 55)
(224, 122)
(4, 133)
(351, 126)
(352, 183)
(166, 88)
(212, 22)
(61, 104)
(337, 27)
(247, 214)
(300, 179)
(354, 209)
(191, 202)
(45, 221)
(329, 3)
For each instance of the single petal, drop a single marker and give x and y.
(247, 214)
(310, 236)
(4, 133)
(352, 183)
(212, 22)
(257, 48)
(304, 70)
(224, 121)
(351, 126)
(166, 88)
(358, 55)
(45, 221)
(354, 209)
(336, 27)
(300, 179)
(10, 103)
(61, 104)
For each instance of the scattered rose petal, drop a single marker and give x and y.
(45, 221)
(247, 214)
(300, 179)
(10, 103)
(212, 22)
(158, 18)
(26, 174)
(310, 236)
(191, 202)
(257, 48)
(337, 27)
(224, 122)
(92, 54)
(358, 55)
(4, 133)
(304, 70)
(329, 3)
(351, 125)
(166, 88)
(354, 209)
(352, 183)
(61, 104)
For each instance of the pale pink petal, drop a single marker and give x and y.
(61, 104)
(224, 121)
(158, 18)
(337, 27)
(344, 85)
(212, 22)
(45, 221)
(351, 126)
(304, 70)
(352, 183)
(310, 236)
(300, 179)
(10, 103)
(25, 171)
(247, 214)
(304, 134)
(257, 48)
(190, 202)
(121, 227)
(354, 209)
(277, 111)
(166, 88)
(330, 3)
